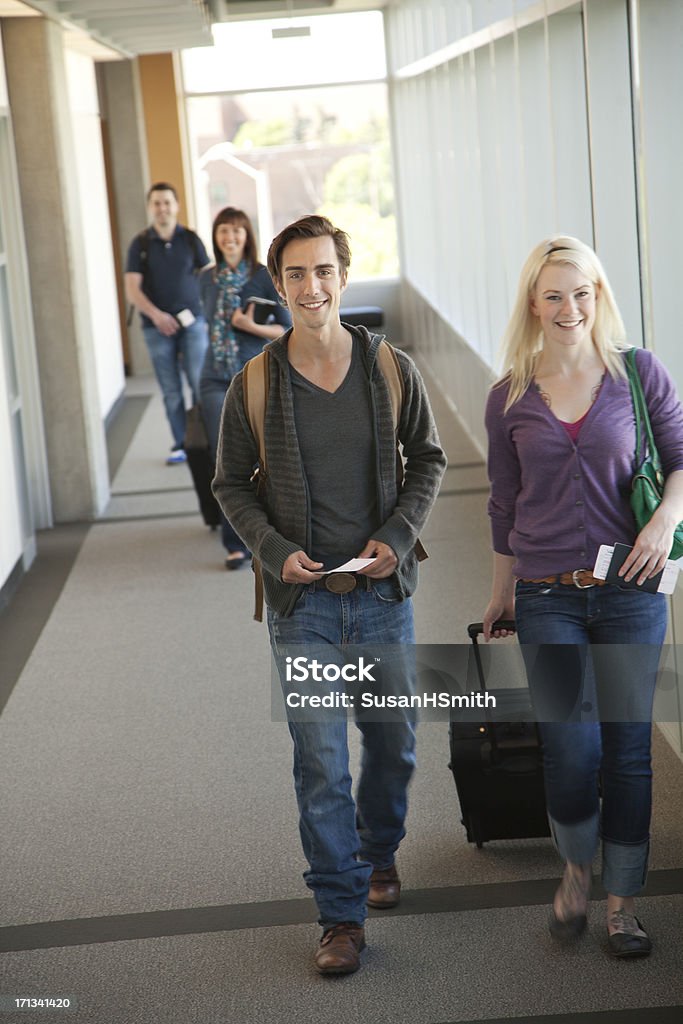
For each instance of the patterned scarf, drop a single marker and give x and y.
(223, 339)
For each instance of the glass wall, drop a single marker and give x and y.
(15, 518)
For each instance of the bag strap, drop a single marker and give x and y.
(143, 240)
(195, 242)
(255, 387)
(641, 412)
(391, 371)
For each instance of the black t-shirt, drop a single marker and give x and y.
(169, 271)
(338, 452)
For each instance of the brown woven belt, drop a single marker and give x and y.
(581, 578)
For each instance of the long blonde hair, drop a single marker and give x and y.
(523, 339)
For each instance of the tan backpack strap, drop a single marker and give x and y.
(255, 387)
(391, 371)
(255, 384)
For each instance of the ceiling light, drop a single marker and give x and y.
(290, 33)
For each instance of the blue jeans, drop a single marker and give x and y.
(188, 343)
(343, 841)
(213, 386)
(594, 705)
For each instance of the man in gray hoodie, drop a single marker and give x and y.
(331, 493)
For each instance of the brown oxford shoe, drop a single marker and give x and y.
(385, 888)
(340, 949)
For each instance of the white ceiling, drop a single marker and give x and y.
(132, 27)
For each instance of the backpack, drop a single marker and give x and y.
(255, 387)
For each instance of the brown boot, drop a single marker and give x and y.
(385, 888)
(340, 949)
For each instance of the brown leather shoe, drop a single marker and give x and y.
(385, 888)
(340, 948)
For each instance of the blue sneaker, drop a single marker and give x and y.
(176, 457)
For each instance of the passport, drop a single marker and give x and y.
(621, 552)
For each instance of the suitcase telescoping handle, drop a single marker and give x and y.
(475, 629)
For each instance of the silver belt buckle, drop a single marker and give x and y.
(341, 582)
(581, 586)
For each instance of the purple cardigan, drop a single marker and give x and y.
(553, 503)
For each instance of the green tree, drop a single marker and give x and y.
(362, 178)
(373, 238)
(257, 134)
(374, 130)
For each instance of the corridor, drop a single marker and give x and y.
(151, 866)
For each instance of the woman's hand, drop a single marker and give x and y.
(650, 550)
(502, 603)
(243, 320)
(653, 544)
(495, 611)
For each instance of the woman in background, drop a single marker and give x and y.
(234, 335)
(561, 458)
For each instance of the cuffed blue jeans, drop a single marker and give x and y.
(189, 343)
(343, 841)
(594, 706)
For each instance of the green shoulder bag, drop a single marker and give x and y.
(647, 486)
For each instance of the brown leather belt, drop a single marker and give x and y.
(581, 578)
(342, 582)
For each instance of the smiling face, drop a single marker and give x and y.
(231, 238)
(163, 209)
(311, 281)
(564, 301)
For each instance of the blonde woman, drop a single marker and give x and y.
(561, 432)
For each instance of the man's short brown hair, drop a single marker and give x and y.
(162, 186)
(313, 226)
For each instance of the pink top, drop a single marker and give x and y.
(574, 428)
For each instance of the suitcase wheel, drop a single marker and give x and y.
(473, 832)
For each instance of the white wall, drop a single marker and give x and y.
(492, 153)
(659, 93)
(11, 546)
(99, 261)
(14, 517)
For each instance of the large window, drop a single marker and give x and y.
(286, 152)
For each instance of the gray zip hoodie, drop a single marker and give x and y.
(276, 522)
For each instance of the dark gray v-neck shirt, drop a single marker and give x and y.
(338, 453)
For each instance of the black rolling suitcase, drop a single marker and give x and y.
(201, 466)
(497, 765)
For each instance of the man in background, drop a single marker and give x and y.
(161, 282)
